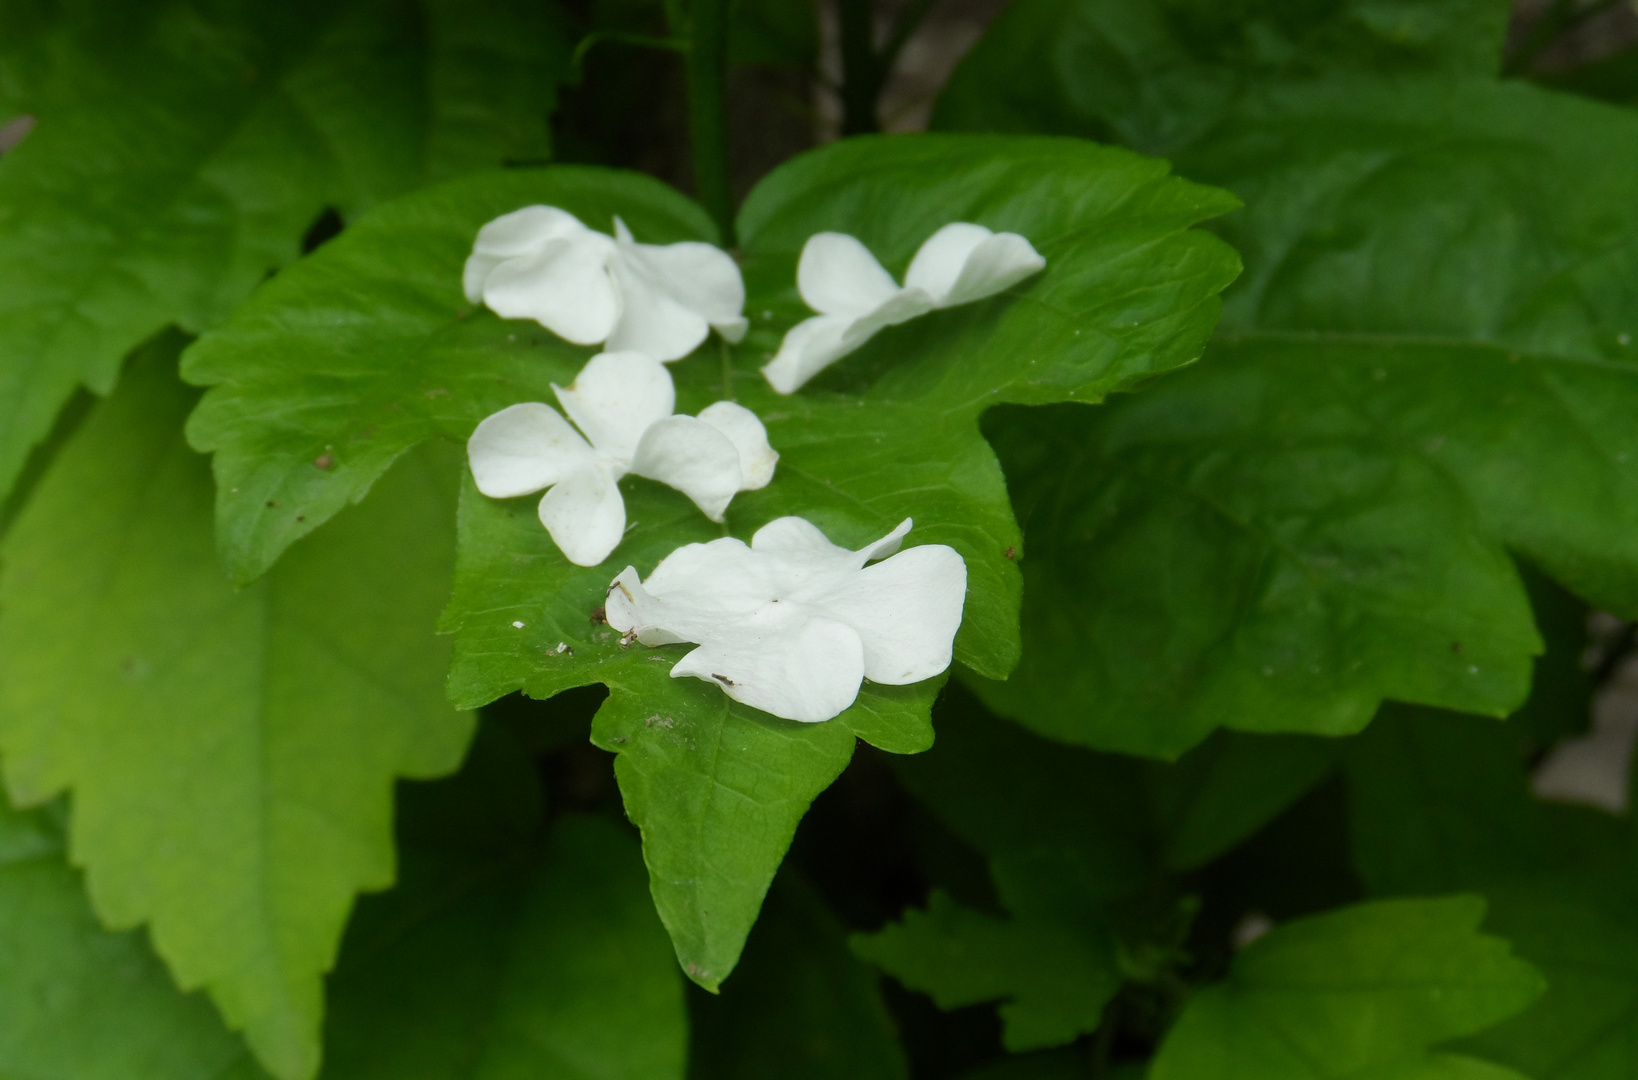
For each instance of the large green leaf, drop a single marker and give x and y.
(503, 952)
(183, 148)
(1364, 992)
(800, 1007)
(80, 1003)
(1154, 74)
(368, 348)
(230, 752)
(1431, 358)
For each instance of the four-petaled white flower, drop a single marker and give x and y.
(588, 287)
(622, 402)
(791, 624)
(839, 278)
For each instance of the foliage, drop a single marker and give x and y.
(1284, 493)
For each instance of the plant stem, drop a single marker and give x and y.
(861, 74)
(708, 111)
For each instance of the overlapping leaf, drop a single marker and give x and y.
(230, 752)
(78, 1002)
(1441, 802)
(501, 950)
(800, 1006)
(1431, 358)
(1053, 969)
(1366, 991)
(183, 149)
(503, 953)
(368, 348)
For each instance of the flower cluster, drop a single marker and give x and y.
(791, 623)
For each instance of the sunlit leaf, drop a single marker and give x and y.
(230, 752)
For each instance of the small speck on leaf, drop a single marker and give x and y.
(517, 625)
(324, 462)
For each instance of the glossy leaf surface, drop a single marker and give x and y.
(369, 348)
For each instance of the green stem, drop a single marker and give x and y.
(708, 111)
(861, 74)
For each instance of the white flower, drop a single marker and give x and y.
(792, 623)
(541, 263)
(855, 297)
(622, 402)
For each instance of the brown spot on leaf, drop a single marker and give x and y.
(324, 462)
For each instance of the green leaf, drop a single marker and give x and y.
(1441, 801)
(800, 1007)
(230, 752)
(1228, 788)
(183, 150)
(1053, 973)
(1431, 359)
(1155, 74)
(1011, 794)
(1583, 935)
(503, 952)
(80, 1003)
(1258, 562)
(368, 348)
(1363, 992)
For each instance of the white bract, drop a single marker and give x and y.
(588, 287)
(791, 624)
(839, 278)
(622, 403)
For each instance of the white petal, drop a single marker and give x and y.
(795, 668)
(615, 398)
(809, 347)
(887, 545)
(565, 286)
(585, 515)
(702, 277)
(796, 538)
(651, 320)
(526, 230)
(997, 263)
(906, 611)
(939, 260)
(712, 580)
(524, 448)
(476, 273)
(690, 455)
(756, 458)
(837, 275)
(630, 609)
